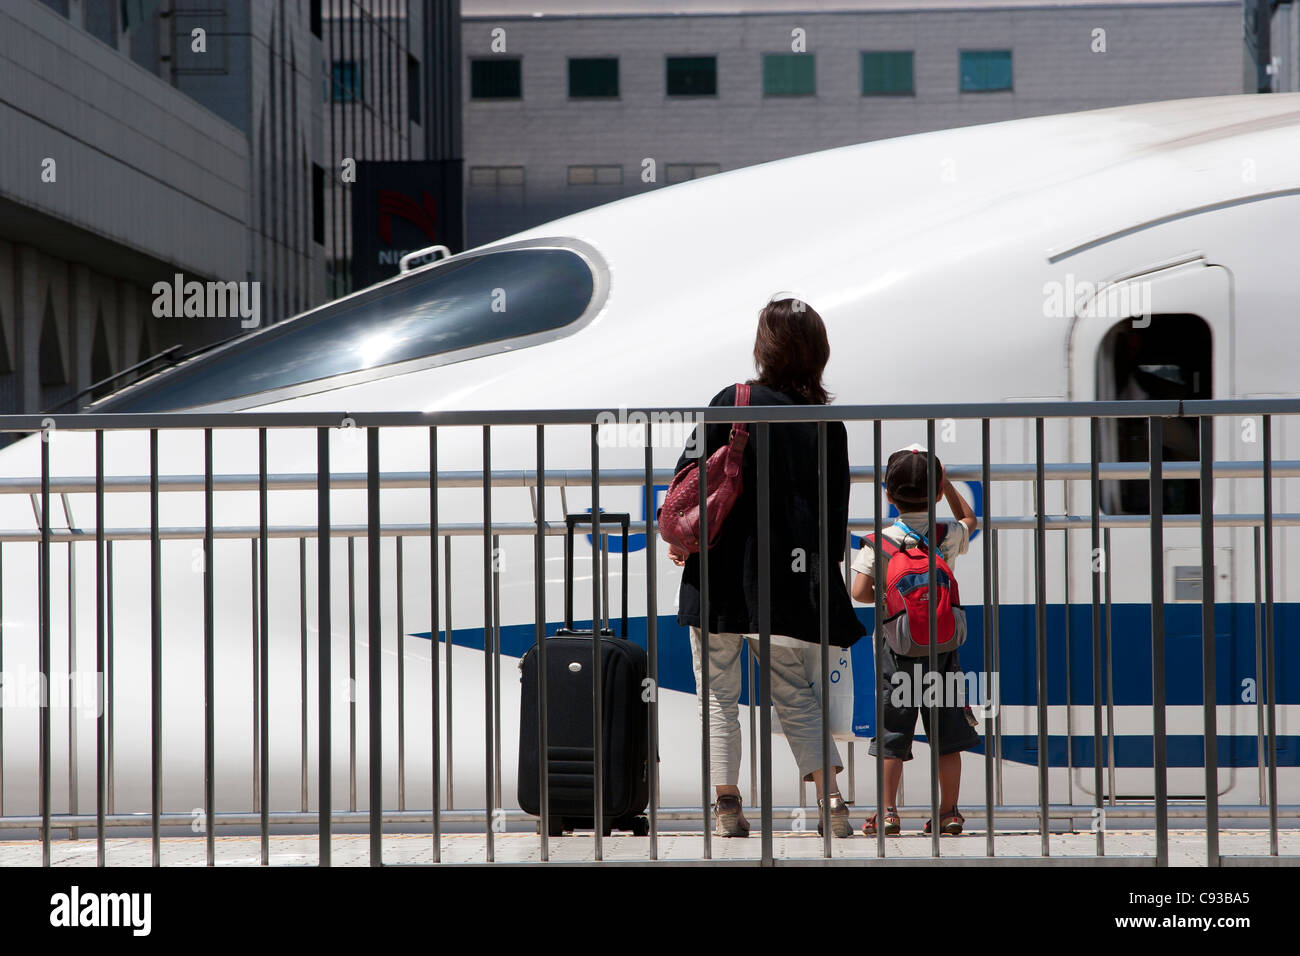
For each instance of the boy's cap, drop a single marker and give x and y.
(907, 477)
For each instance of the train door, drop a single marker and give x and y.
(1162, 333)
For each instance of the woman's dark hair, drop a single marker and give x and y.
(791, 350)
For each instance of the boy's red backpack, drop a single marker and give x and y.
(906, 627)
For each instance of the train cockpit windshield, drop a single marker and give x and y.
(468, 306)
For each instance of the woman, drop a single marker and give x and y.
(790, 354)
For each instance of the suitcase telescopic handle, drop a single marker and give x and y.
(623, 521)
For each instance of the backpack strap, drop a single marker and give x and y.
(888, 547)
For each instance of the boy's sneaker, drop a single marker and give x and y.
(893, 825)
(950, 824)
(840, 825)
(728, 820)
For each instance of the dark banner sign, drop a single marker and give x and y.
(399, 207)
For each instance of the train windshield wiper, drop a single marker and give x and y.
(166, 359)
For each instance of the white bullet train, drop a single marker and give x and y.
(956, 266)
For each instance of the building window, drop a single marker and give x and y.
(101, 22)
(681, 172)
(888, 73)
(593, 77)
(346, 81)
(494, 176)
(315, 19)
(318, 204)
(413, 90)
(789, 74)
(692, 76)
(496, 79)
(985, 71)
(595, 175)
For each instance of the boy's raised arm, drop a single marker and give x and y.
(961, 508)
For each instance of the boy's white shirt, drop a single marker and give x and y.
(956, 541)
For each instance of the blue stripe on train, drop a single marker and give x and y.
(1131, 640)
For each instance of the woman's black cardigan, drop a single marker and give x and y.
(795, 542)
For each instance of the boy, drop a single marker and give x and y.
(907, 488)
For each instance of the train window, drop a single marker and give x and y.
(1170, 358)
(466, 306)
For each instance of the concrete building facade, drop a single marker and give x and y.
(567, 102)
(110, 179)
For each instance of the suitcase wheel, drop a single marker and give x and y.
(640, 826)
(555, 826)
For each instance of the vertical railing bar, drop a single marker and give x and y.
(1040, 631)
(489, 788)
(932, 651)
(256, 682)
(446, 590)
(2, 670)
(597, 658)
(1069, 677)
(264, 640)
(1270, 650)
(824, 623)
(401, 682)
(99, 647)
(155, 649)
(652, 640)
(539, 632)
(324, 650)
(209, 658)
(302, 669)
(1097, 568)
(1159, 717)
(1261, 745)
(110, 673)
(1110, 673)
(73, 785)
(997, 652)
(43, 729)
(847, 564)
(375, 635)
(763, 454)
(877, 640)
(1210, 702)
(435, 679)
(496, 661)
(989, 704)
(751, 674)
(352, 674)
(706, 761)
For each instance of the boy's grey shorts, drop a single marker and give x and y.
(899, 723)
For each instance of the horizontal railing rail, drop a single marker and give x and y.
(1160, 809)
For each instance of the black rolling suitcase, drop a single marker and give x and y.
(570, 751)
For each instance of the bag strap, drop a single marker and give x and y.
(887, 546)
(742, 401)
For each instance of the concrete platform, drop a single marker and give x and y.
(1186, 848)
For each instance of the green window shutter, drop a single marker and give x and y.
(888, 73)
(789, 74)
(985, 71)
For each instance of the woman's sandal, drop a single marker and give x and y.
(949, 824)
(893, 826)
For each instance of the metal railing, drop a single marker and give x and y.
(372, 481)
